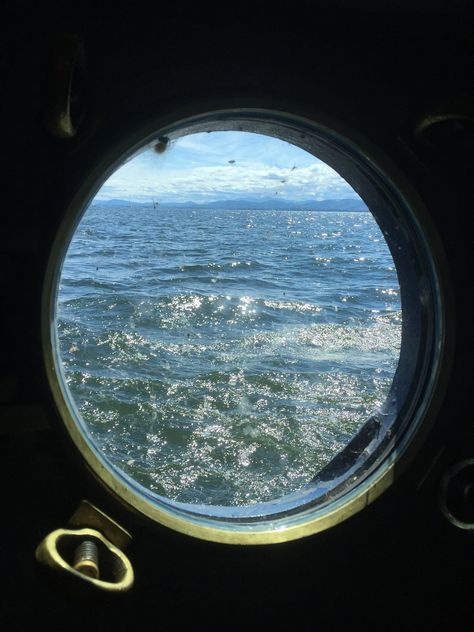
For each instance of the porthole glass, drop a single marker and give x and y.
(230, 306)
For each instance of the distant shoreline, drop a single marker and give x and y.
(324, 206)
(163, 207)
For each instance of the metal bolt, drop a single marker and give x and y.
(457, 494)
(86, 559)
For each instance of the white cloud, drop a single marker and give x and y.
(193, 171)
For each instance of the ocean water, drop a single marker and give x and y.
(226, 356)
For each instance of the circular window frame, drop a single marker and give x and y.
(366, 467)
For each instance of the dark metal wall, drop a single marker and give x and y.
(398, 564)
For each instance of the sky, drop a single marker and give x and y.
(212, 166)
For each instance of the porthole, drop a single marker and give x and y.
(240, 367)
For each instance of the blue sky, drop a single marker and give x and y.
(206, 167)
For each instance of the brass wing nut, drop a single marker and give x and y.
(90, 551)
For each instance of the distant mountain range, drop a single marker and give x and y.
(265, 204)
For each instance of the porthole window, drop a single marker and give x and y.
(243, 324)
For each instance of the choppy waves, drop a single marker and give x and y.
(218, 363)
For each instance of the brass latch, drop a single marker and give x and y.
(90, 550)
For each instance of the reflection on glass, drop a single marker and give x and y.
(228, 317)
